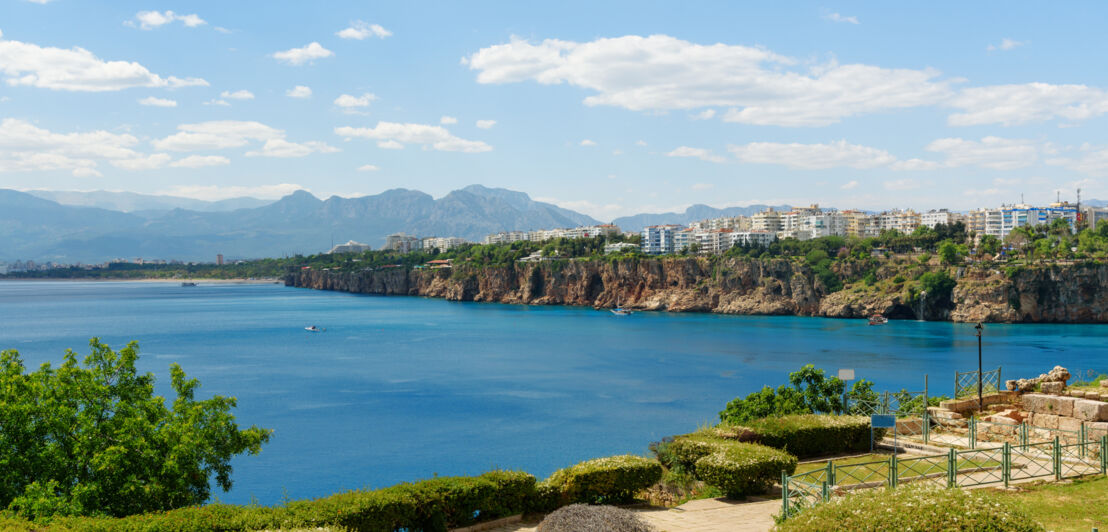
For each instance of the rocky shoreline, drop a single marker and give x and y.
(1075, 293)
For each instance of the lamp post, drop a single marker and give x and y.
(980, 401)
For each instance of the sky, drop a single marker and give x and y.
(608, 108)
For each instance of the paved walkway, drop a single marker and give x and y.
(705, 515)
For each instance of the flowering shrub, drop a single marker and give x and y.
(813, 435)
(912, 508)
(611, 479)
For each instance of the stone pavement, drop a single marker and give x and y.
(705, 515)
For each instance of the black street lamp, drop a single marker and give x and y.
(980, 402)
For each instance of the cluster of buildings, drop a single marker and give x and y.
(507, 237)
(404, 243)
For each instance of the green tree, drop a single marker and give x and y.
(95, 440)
(948, 253)
(811, 391)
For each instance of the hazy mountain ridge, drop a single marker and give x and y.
(133, 202)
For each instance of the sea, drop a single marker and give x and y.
(402, 388)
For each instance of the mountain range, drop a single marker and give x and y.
(32, 227)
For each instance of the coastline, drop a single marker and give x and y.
(197, 280)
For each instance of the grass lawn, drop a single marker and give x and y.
(862, 468)
(1079, 506)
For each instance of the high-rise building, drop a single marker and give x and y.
(219, 259)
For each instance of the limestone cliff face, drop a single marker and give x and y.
(738, 286)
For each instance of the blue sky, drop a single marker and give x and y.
(608, 108)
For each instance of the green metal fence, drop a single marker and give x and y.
(956, 468)
(965, 383)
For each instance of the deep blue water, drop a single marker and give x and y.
(401, 388)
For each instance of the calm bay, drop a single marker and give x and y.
(401, 388)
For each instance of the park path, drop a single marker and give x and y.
(705, 515)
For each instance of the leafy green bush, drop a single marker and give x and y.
(912, 507)
(810, 391)
(686, 450)
(605, 480)
(813, 435)
(742, 469)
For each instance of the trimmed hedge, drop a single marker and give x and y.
(912, 507)
(430, 505)
(743, 469)
(808, 435)
(604, 480)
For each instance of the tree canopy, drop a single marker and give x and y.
(95, 440)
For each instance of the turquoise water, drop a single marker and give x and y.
(401, 388)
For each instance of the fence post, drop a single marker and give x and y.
(1057, 459)
(1104, 455)
(1006, 463)
(972, 432)
(926, 426)
(893, 470)
(826, 492)
(830, 475)
(951, 468)
(1081, 435)
(998, 381)
(1023, 436)
(926, 402)
(885, 405)
(784, 495)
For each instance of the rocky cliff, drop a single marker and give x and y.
(744, 286)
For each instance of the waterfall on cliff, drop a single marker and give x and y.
(922, 306)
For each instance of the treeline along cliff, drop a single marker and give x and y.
(779, 286)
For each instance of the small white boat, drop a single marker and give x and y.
(620, 311)
(878, 319)
(313, 328)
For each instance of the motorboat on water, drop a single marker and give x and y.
(620, 311)
(188, 283)
(313, 328)
(878, 319)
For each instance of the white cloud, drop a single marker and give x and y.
(221, 103)
(587, 143)
(394, 135)
(912, 165)
(486, 124)
(1091, 160)
(199, 161)
(813, 156)
(348, 101)
(77, 69)
(215, 192)
(86, 172)
(157, 102)
(237, 95)
(835, 17)
(1005, 45)
(368, 168)
(216, 134)
(447, 120)
(360, 30)
(660, 72)
(1012, 105)
(149, 20)
(640, 143)
(990, 152)
(699, 153)
(304, 54)
(299, 91)
(148, 162)
(706, 114)
(284, 148)
(703, 186)
(850, 185)
(32, 146)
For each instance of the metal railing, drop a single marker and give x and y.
(965, 383)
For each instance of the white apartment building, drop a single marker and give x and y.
(619, 247)
(897, 220)
(442, 243)
(506, 237)
(591, 231)
(935, 217)
(402, 242)
(659, 239)
(750, 238)
(350, 247)
(737, 223)
(684, 238)
(1090, 216)
(1000, 222)
(767, 220)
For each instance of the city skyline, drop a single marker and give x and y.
(629, 109)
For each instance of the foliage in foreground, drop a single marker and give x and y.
(1079, 506)
(809, 391)
(737, 468)
(808, 435)
(912, 508)
(614, 479)
(578, 517)
(95, 440)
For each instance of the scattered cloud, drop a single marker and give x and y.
(299, 91)
(912, 165)
(393, 135)
(990, 152)
(86, 172)
(216, 192)
(699, 153)
(368, 168)
(813, 156)
(216, 135)
(305, 54)
(587, 143)
(149, 20)
(360, 30)
(221, 103)
(1005, 45)
(284, 148)
(486, 124)
(660, 73)
(1091, 160)
(850, 185)
(347, 101)
(237, 95)
(1013, 105)
(199, 161)
(147, 162)
(447, 120)
(27, 147)
(835, 17)
(706, 114)
(77, 69)
(157, 102)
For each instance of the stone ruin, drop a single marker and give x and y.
(1052, 382)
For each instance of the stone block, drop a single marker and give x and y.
(1063, 406)
(1004, 430)
(1076, 393)
(1041, 434)
(1088, 410)
(1069, 424)
(1046, 421)
(1052, 387)
(1097, 429)
(1035, 402)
